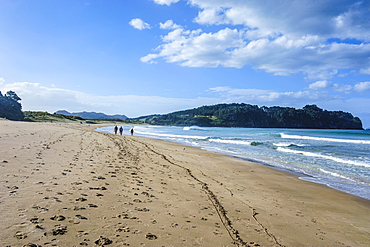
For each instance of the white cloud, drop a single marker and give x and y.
(342, 88)
(165, 2)
(220, 89)
(149, 58)
(139, 24)
(169, 24)
(2, 81)
(365, 71)
(269, 97)
(362, 86)
(320, 85)
(283, 38)
(354, 22)
(37, 97)
(239, 92)
(280, 56)
(347, 19)
(359, 87)
(197, 49)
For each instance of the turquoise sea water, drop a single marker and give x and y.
(337, 158)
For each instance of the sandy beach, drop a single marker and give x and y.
(67, 185)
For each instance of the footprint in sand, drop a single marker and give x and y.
(124, 229)
(81, 217)
(151, 236)
(58, 217)
(81, 199)
(36, 220)
(103, 241)
(142, 209)
(59, 230)
(77, 208)
(40, 209)
(20, 235)
(98, 188)
(31, 245)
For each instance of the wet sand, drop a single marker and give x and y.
(66, 185)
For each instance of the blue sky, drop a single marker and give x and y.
(140, 57)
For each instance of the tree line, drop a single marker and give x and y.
(252, 116)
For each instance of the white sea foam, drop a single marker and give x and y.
(282, 144)
(222, 150)
(335, 174)
(336, 159)
(173, 136)
(194, 127)
(231, 141)
(150, 132)
(323, 139)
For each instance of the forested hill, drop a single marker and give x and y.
(252, 116)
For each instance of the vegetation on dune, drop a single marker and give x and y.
(39, 116)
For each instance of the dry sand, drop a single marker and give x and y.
(66, 185)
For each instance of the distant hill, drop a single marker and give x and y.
(91, 115)
(252, 116)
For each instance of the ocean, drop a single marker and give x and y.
(337, 158)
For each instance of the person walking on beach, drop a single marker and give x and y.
(132, 131)
(121, 130)
(115, 129)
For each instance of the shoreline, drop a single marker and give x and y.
(300, 174)
(66, 185)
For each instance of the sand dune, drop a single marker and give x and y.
(66, 185)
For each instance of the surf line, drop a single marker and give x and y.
(286, 136)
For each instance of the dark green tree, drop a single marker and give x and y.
(10, 107)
